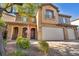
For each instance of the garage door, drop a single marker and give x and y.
(52, 33)
(71, 34)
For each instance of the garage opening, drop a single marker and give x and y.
(71, 34)
(51, 33)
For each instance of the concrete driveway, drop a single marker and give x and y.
(57, 48)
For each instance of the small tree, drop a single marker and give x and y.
(44, 46)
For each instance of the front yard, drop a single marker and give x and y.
(57, 48)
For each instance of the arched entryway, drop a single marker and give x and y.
(15, 33)
(24, 33)
(33, 33)
(5, 34)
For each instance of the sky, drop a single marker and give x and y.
(69, 9)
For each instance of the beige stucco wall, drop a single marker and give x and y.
(39, 24)
(8, 18)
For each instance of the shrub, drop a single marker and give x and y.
(2, 23)
(44, 46)
(18, 41)
(23, 42)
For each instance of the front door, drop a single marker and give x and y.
(15, 33)
(33, 33)
(24, 33)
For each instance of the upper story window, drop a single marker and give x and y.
(34, 20)
(63, 20)
(67, 20)
(25, 19)
(49, 14)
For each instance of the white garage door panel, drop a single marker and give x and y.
(52, 33)
(71, 34)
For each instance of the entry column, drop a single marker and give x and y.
(9, 32)
(28, 31)
(65, 34)
(20, 31)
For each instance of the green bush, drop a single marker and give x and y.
(2, 23)
(18, 41)
(44, 46)
(23, 42)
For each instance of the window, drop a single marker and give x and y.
(63, 20)
(14, 9)
(67, 20)
(34, 20)
(49, 14)
(24, 19)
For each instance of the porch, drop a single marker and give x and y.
(14, 30)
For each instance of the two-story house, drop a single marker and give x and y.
(48, 24)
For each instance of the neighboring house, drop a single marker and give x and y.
(76, 22)
(48, 24)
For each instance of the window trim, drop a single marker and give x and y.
(24, 17)
(48, 10)
(34, 20)
(63, 20)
